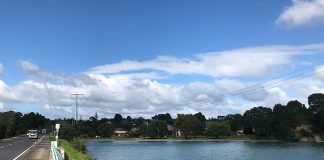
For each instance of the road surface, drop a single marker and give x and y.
(11, 148)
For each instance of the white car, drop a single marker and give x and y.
(32, 134)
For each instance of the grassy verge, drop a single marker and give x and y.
(51, 138)
(71, 152)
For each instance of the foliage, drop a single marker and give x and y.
(316, 102)
(218, 129)
(188, 124)
(79, 145)
(282, 125)
(71, 152)
(105, 130)
(67, 131)
(14, 123)
(157, 129)
(118, 118)
(164, 117)
(259, 118)
(236, 122)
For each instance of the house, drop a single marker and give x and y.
(178, 133)
(239, 132)
(170, 128)
(221, 118)
(120, 133)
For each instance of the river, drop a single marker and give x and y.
(184, 150)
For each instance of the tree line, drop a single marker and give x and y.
(15, 123)
(289, 122)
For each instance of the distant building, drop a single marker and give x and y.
(239, 132)
(135, 129)
(120, 132)
(170, 128)
(221, 118)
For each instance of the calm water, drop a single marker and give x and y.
(204, 150)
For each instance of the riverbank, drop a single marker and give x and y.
(199, 139)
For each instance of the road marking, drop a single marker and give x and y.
(10, 144)
(27, 149)
(2, 146)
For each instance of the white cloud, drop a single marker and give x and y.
(127, 87)
(1, 69)
(252, 61)
(302, 13)
(36, 73)
(28, 66)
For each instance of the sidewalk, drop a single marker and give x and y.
(41, 151)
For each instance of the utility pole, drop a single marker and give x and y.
(76, 107)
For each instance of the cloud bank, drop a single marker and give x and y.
(135, 88)
(302, 13)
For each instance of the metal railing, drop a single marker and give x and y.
(55, 152)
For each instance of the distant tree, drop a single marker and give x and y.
(316, 102)
(318, 121)
(218, 129)
(164, 117)
(105, 130)
(86, 129)
(316, 108)
(188, 124)
(282, 124)
(259, 118)
(143, 129)
(236, 122)
(67, 131)
(200, 129)
(118, 118)
(157, 129)
(298, 113)
(129, 118)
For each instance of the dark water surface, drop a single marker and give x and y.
(171, 150)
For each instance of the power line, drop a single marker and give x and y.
(253, 89)
(256, 90)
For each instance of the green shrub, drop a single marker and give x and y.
(79, 145)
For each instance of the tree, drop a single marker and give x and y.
(297, 113)
(67, 131)
(200, 129)
(259, 118)
(316, 107)
(318, 121)
(164, 117)
(157, 129)
(105, 130)
(235, 121)
(218, 129)
(118, 118)
(282, 124)
(316, 102)
(188, 124)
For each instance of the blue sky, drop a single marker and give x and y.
(70, 38)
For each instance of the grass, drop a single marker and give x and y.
(71, 152)
(52, 138)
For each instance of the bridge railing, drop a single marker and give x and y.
(55, 152)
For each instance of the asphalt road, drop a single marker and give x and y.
(11, 148)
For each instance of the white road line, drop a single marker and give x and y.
(27, 149)
(10, 144)
(2, 146)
